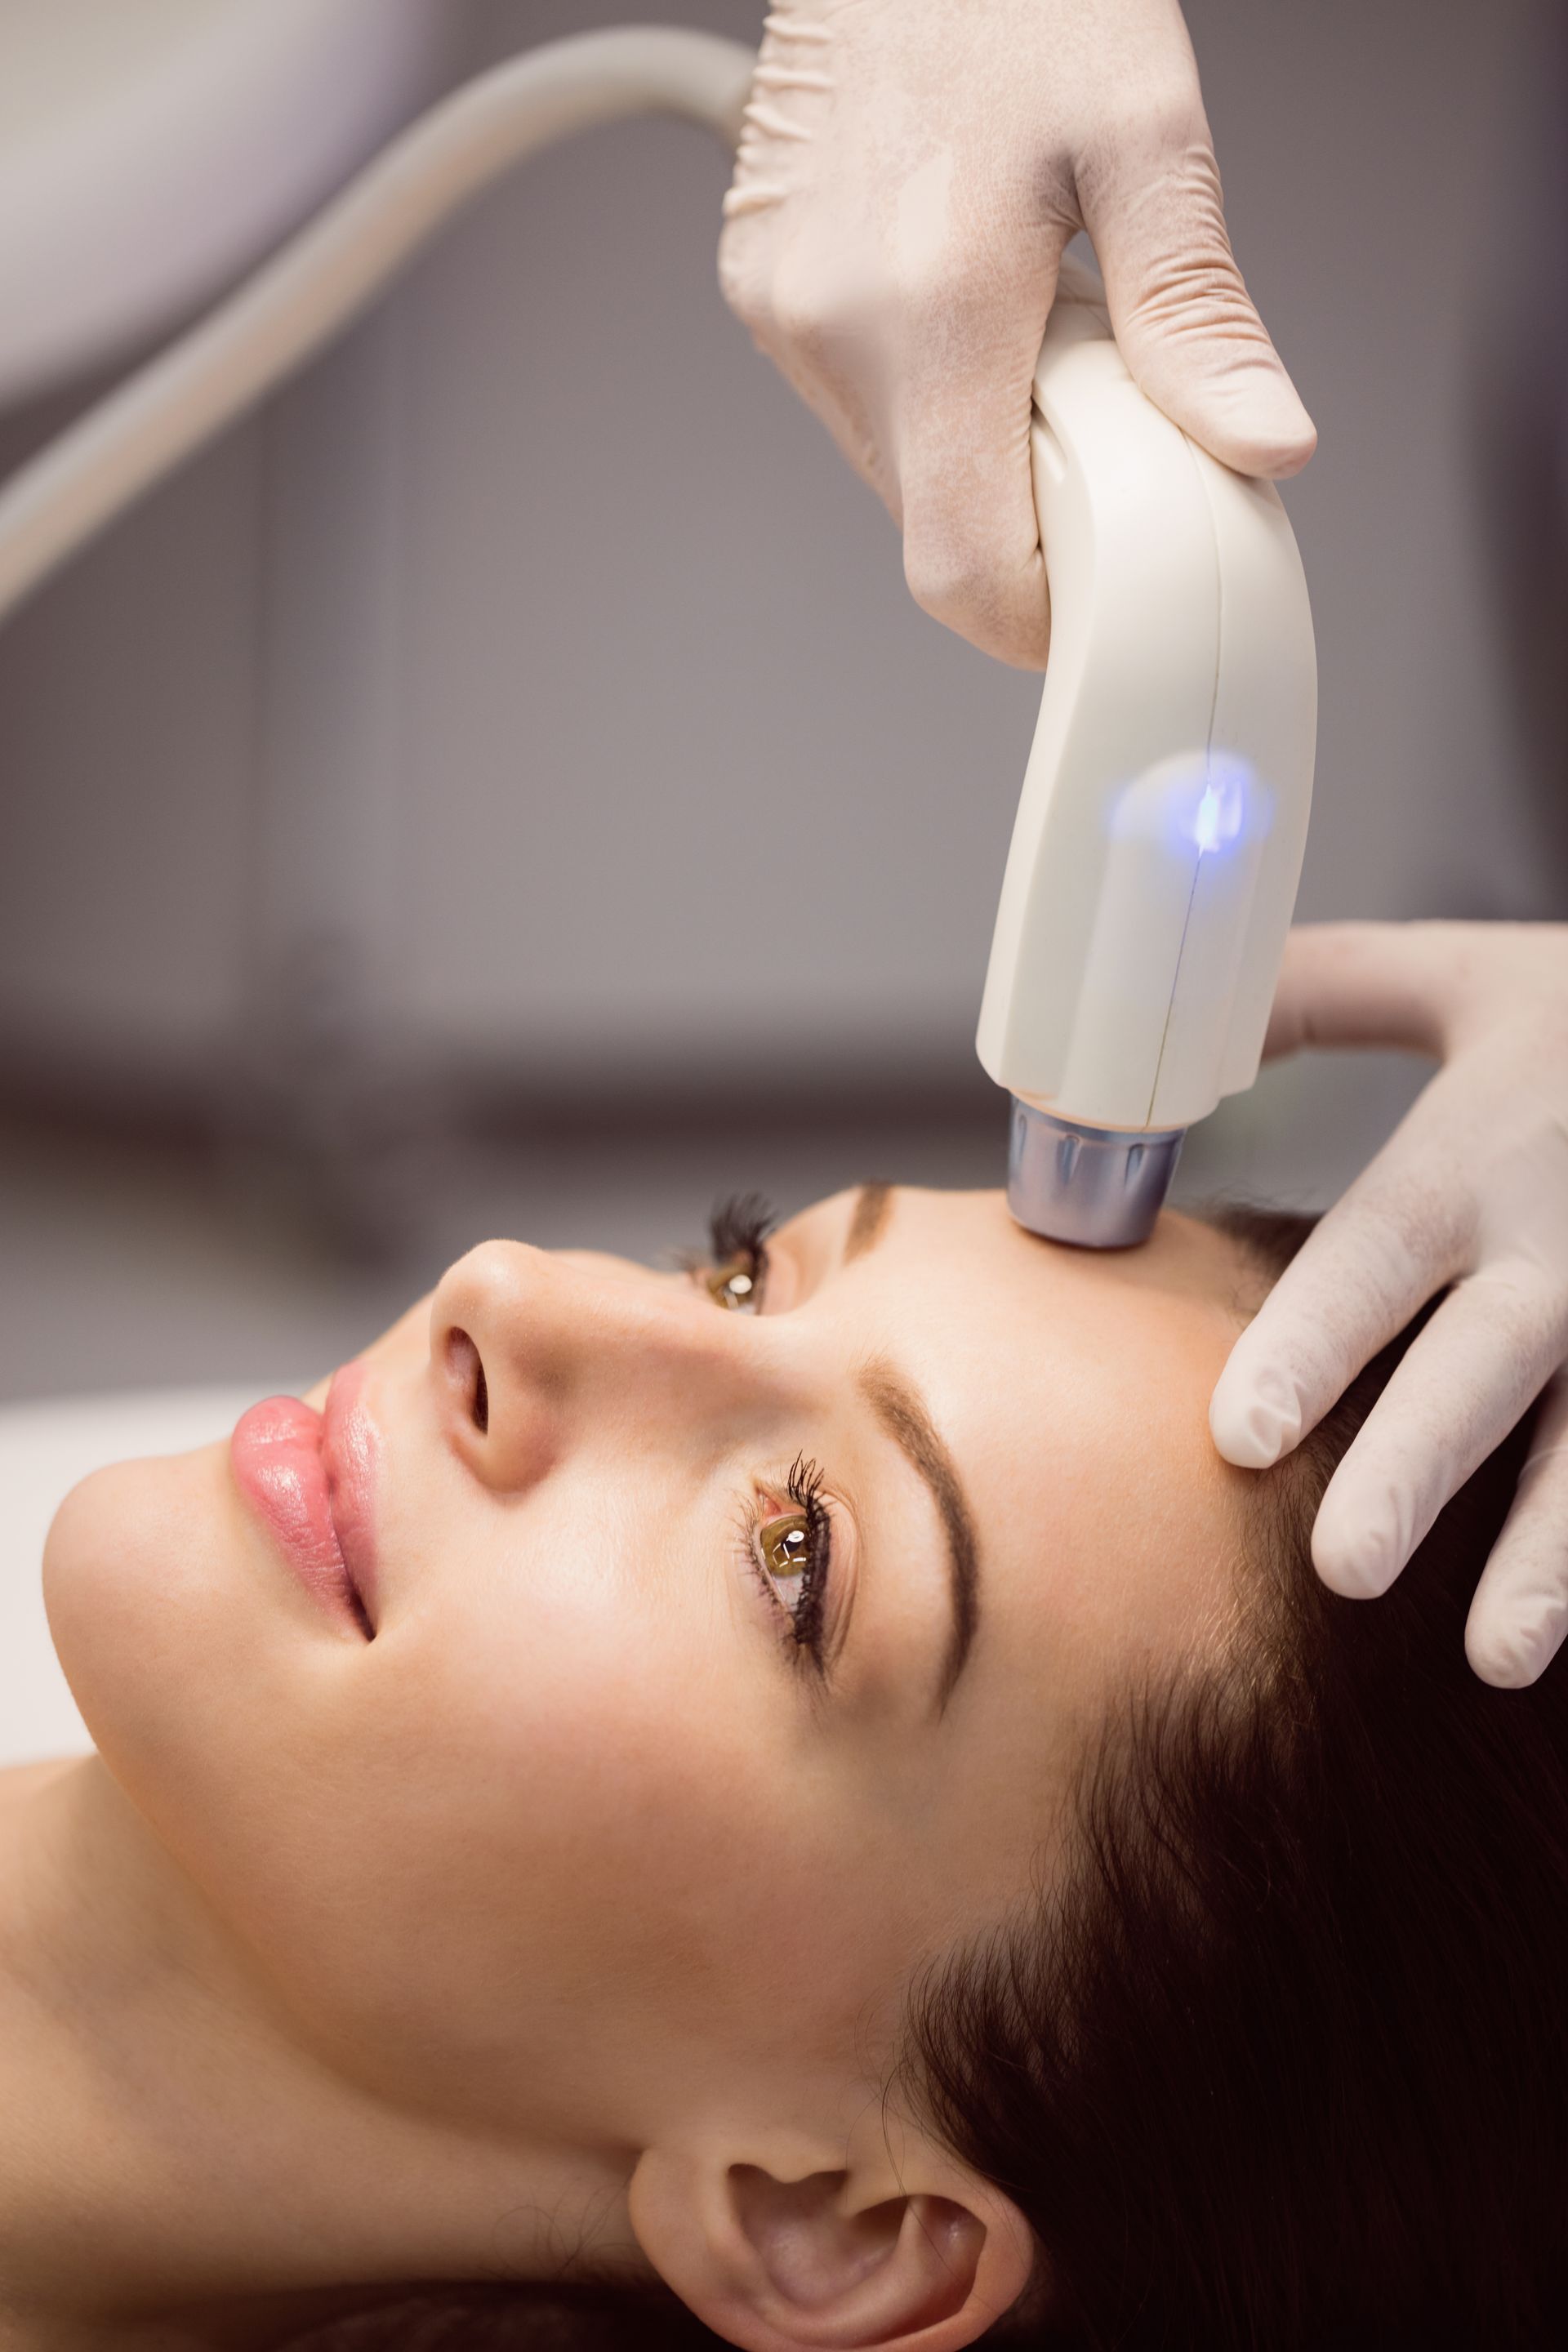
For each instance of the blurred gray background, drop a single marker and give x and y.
(503, 785)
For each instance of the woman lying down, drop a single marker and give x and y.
(796, 1798)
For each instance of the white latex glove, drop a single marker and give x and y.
(1471, 1191)
(909, 174)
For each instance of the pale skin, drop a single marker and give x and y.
(567, 1920)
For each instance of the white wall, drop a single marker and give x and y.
(533, 687)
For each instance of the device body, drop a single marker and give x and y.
(1158, 844)
(1159, 837)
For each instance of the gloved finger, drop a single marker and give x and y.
(960, 448)
(1371, 1261)
(1181, 313)
(1519, 1614)
(1364, 984)
(815, 317)
(1464, 1382)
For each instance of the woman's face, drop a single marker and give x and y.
(722, 1663)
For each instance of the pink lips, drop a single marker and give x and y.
(310, 1477)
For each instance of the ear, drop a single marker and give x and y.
(774, 2256)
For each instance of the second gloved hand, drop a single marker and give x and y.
(1470, 1194)
(909, 174)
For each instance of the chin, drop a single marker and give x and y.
(134, 1570)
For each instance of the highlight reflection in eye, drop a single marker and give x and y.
(735, 1285)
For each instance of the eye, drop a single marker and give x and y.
(793, 1552)
(737, 1274)
(785, 1543)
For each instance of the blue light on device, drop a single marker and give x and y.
(1222, 806)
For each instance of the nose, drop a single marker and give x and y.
(533, 1352)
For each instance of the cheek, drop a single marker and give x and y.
(593, 1746)
(552, 1809)
(550, 1799)
(595, 1796)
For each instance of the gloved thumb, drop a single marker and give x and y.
(1367, 984)
(1181, 314)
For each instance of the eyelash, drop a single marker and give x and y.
(805, 1622)
(738, 1230)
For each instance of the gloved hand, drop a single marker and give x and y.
(1471, 1191)
(909, 174)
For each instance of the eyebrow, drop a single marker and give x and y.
(867, 1221)
(910, 1425)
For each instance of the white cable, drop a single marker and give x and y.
(337, 265)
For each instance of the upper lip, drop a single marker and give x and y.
(351, 1456)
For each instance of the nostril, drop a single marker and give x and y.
(467, 1368)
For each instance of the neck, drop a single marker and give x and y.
(174, 2159)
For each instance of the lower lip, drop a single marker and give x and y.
(307, 1475)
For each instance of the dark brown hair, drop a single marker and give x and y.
(1281, 2060)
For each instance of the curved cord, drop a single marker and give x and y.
(336, 266)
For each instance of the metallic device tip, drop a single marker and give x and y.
(1098, 1187)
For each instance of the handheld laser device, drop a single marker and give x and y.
(1159, 837)
(1158, 843)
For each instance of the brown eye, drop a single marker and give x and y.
(785, 1545)
(736, 1285)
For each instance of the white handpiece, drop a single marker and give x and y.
(1159, 838)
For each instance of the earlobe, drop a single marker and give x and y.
(821, 2262)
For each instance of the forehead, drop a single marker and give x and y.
(1184, 1295)
(1072, 1389)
